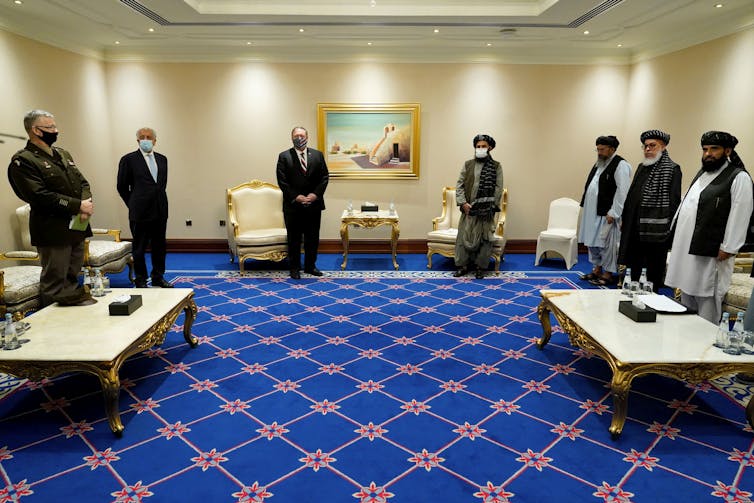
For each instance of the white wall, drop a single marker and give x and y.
(222, 124)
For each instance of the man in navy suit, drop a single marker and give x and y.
(142, 179)
(302, 176)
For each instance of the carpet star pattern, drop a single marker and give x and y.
(379, 388)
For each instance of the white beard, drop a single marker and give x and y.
(648, 161)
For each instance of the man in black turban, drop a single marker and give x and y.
(710, 227)
(478, 192)
(652, 200)
(602, 203)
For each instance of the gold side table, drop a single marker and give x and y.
(370, 220)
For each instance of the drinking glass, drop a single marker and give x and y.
(648, 288)
(734, 343)
(635, 290)
(747, 343)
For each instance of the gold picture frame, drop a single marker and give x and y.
(370, 141)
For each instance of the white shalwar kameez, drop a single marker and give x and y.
(704, 280)
(591, 231)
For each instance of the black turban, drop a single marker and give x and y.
(485, 137)
(725, 140)
(610, 141)
(655, 134)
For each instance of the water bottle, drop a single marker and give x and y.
(735, 336)
(349, 208)
(99, 288)
(87, 278)
(721, 340)
(392, 207)
(626, 287)
(9, 334)
(642, 279)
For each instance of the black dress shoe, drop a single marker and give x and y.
(140, 284)
(313, 272)
(460, 272)
(479, 274)
(162, 283)
(295, 275)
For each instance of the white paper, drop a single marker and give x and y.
(662, 303)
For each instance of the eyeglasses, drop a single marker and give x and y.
(49, 128)
(650, 146)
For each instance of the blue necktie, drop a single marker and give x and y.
(152, 166)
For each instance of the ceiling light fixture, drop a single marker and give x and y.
(586, 32)
(151, 30)
(620, 45)
(373, 3)
(17, 2)
(369, 43)
(717, 6)
(117, 42)
(489, 44)
(437, 30)
(248, 43)
(301, 30)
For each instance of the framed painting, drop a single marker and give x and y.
(369, 141)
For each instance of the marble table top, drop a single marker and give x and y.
(90, 333)
(673, 338)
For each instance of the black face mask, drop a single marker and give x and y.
(713, 165)
(49, 138)
(299, 143)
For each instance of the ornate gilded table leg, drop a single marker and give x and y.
(620, 386)
(396, 231)
(344, 239)
(190, 311)
(108, 377)
(750, 412)
(543, 312)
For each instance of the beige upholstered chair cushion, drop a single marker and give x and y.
(20, 283)
(103, 252)
(737, 297)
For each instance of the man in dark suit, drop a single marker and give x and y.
(302, 176)
(142, 179)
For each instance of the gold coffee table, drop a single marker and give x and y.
(88, 339)
(678, 346)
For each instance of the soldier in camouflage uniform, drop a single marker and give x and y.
(47, 178)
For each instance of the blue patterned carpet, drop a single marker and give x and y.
(374, 387)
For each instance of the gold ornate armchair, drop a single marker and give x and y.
(256, 228)
(19, 284)
(442, 238)
(109, 255)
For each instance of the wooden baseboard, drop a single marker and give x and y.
(513, 246)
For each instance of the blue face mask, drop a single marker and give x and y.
(146, 145)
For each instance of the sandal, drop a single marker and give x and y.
(589, 277)
(479, 274)
(604, 281)
(463, 271)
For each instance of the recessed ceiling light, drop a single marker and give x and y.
(373, 3)
(586, 32)
(17, 2)
(437, 30)
(151, 30)
(369, 43)
(248, 43)
(620, 45)
(489, 44)
(718, 5)
(301, 30)
(117, 42)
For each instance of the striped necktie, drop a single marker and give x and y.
(302, 157)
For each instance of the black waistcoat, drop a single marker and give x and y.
(607, 186)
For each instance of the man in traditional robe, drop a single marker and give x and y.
(653, 198)
(602, 204)
(710, 226)
(478, 192)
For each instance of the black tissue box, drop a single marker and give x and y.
(371, 207)
(125, 308)
(640, 315)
